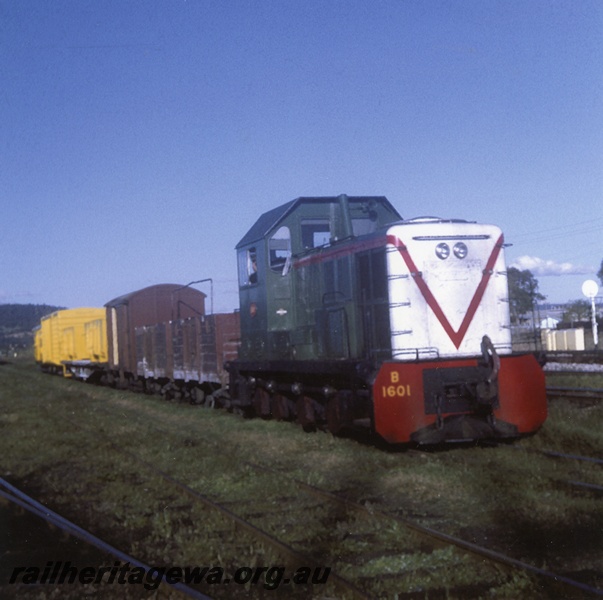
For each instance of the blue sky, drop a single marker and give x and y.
(140, 140)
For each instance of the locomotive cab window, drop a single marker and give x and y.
(279, 250)
(364, 226)
(315, 233)
(248, 267)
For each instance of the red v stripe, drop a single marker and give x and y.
(455, 336)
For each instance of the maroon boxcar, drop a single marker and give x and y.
(147, 307)
(161, 339)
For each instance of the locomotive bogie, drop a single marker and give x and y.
(316, 394)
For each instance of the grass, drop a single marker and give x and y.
(577, 430)
(565, 379)
(56, 438)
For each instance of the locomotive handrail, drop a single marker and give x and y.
(432, 219)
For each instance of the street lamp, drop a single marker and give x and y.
(590, 289)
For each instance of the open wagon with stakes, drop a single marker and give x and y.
(161, 340)
(352, 316)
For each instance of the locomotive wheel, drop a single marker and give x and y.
(305, 413)
(336, 413)
(280, 407)
(261, 403)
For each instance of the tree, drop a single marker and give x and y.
(600, 273)
(579, 310)
(523, 293)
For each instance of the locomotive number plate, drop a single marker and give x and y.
(395, 389)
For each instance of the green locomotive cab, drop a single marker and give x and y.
(299, 294)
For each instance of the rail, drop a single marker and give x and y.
(21, 499)
(565, 584)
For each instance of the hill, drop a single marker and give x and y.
(17, 321)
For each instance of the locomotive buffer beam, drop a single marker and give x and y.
(468, 397)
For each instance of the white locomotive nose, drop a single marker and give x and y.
(447, 287)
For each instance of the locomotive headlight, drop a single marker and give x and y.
(460, 250)
(442, 251)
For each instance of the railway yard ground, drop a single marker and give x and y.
(278, 513)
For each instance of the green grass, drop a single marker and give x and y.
(55, 443)
(583, 380)
(577, 430)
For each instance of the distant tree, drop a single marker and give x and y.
(600, 273)
(578, 310)
(17, 321)
(523, 293)
(23, 317)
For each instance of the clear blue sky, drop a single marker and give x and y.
(140, 140)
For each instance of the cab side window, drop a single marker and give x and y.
(248, 267)
(315, 233)
(279, 250)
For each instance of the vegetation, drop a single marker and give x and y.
(17, 322)
(23, 317)
(57, 444)
(523, 293)
(577, 311)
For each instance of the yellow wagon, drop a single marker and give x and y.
(72, 342)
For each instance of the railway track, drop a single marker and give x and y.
(579, 395)
(21, 499)
(355, 526)
(568, 458)
(582, 357)
(345, 586)
(575, 392)
(352, 527)
(563, 584)
(254, 527)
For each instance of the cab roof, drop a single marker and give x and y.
(269, 220)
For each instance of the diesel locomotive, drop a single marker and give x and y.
(349, 317)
